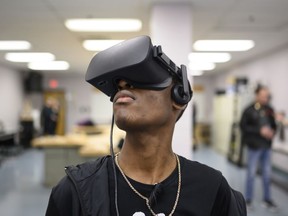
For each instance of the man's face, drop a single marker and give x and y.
(263, 96)
(139, 108)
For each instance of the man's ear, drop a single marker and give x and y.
(178, 106)
(179, 109)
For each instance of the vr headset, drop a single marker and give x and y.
(140, 64)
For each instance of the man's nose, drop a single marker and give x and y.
(123, 84)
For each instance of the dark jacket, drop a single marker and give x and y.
(76, 194)
(85, 191)
(253, 118)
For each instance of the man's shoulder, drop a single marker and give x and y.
(81, 177)
(75, 188)
(250, 106)
(80, 172)
(191, 164)
(249, 110)
(197, 170)
(86, 169)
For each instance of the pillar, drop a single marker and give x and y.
(171, 27)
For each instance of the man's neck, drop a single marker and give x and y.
(147, 157)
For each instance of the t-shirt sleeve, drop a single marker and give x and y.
(222, 200)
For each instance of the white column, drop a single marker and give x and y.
(171, 27)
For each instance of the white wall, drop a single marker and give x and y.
(77, 94)
(171, 27)
(101, 107)
(83, 101)
(271, 70)
(204, 99)
(11, 97)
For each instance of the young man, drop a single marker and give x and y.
(150, 178)
(258, 129)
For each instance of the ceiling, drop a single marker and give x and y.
(41, 22)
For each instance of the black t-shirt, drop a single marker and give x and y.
(199, 193)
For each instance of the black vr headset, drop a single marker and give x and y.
(142, 65)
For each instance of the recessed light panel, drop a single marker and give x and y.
(104, 25)
(99, 45)
(201, 66)
(50, 65)
(209, 57)
(29, 56)
(14, 45)
(223, 45)
(197, 73)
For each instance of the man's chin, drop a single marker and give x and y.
(129, 124)
(123, 123)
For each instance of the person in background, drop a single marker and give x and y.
(258, 128)
(49, 116)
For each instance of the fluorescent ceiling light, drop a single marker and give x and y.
(14, 45)
(99, 45)
(103, 25)
(199, 66)
(49, 65)
(29, 57)
(209, 57)
(197, 73)
(223, 45)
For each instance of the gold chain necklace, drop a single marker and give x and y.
(145, 198)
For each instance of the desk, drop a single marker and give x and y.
(95, 147)
(72, 149)
(59, 151)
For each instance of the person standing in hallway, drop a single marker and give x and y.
(49, 116)
(258, 128)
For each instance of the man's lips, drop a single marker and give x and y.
(124, 96)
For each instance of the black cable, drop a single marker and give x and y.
(114, 166)
(157, 190)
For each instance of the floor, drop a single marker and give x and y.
(22, 193)
(236, 178)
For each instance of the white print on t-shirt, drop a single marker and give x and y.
(142, 214)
